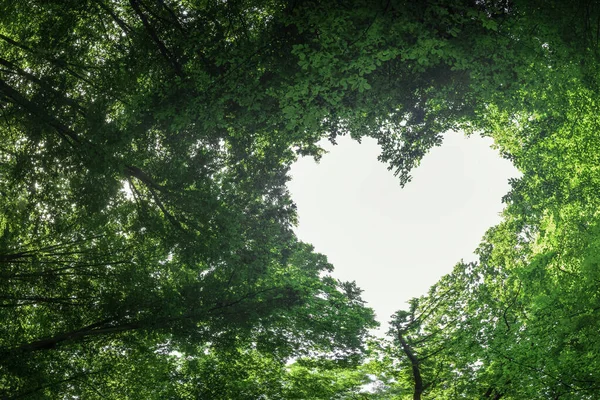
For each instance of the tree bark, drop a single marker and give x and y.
(98, 328)
(414, 360)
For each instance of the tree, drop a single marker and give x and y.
(139, 213)
(145, 149)
(527, 315)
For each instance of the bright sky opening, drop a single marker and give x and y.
(396, 242)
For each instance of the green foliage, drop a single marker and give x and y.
(146, 243)
(144, 212)
(526, 316)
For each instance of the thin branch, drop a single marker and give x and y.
(160, 18)
(122, 24)
(133, 171)
(152, 186)
(164, 210)
(42, 387)
(43, 85)
(17, 98)
(55, 62)
(173, 15)
(161, 47)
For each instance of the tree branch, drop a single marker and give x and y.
(20, 100)
(414, 361)
(161, 47)
(42, 84)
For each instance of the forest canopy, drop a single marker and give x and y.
(146, 242)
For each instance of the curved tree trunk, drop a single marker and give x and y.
(419, 387)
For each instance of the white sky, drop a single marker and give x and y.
(395, 243)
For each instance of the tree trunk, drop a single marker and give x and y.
(419, 387)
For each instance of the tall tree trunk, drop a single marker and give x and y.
(414, 360)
